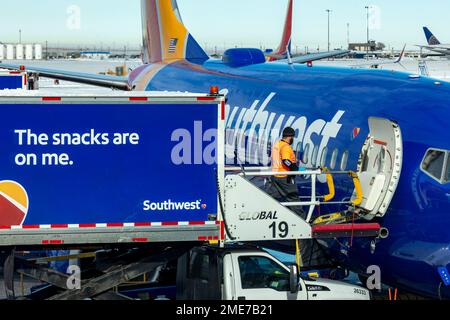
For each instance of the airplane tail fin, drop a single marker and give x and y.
(432, 40)
(285, 45)
(402, 55)
(165, 38)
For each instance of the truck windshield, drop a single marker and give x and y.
(259, 272)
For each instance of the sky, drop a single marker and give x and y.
(226, 23)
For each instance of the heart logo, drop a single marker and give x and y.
(13, 203)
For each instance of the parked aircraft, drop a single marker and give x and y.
(434, 44)
(376, 63)
(284, 50)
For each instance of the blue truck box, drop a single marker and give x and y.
(12, 80)
(74, 167)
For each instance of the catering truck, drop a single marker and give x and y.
(135, 181)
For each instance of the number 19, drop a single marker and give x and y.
(282, 228)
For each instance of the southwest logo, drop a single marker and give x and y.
(13, 203)
(355, 133)
(173, 205)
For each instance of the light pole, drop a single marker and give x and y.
(368, 38)
(348, 35)
(20, 36)
(328, 12)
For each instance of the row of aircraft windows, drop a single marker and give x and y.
(321, 160)
(436, 164)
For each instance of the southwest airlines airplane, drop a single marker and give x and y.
(390, 127)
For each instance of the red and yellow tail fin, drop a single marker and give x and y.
(285, 44)
(164, 35)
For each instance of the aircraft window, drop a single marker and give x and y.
(269, 147)
(334, 157)
(305, 154)
(344, 161)
(315, 155)
(323, 158)
(433, 164)
(447, 178)
(298, 150)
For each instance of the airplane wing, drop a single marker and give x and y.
(426, 54)
(433, 47)
(376, 63)
(316, 56)
(107, 81)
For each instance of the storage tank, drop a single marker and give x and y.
(29, 52)
(19, 52)
(9, 52)
(38, 52)
(2, 52)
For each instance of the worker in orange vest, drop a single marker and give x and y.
(283, 156)
(283, 187)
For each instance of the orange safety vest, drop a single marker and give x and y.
(282, 151)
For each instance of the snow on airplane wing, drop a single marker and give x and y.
(107, 81)
(317, 56)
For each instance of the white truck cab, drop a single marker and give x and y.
(249, 273)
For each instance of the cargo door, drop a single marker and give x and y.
(379, 167)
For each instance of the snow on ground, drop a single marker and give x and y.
(48, 87)
(438, 68)
(89, 66)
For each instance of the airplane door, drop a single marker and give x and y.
(379, 167)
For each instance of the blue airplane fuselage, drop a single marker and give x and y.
(326, 105)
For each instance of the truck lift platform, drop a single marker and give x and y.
(262, 218)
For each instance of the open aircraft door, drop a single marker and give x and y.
(379, 167)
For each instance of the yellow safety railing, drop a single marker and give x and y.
(338, 216)
(313, 200)
(358, 189)
(330, 183)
